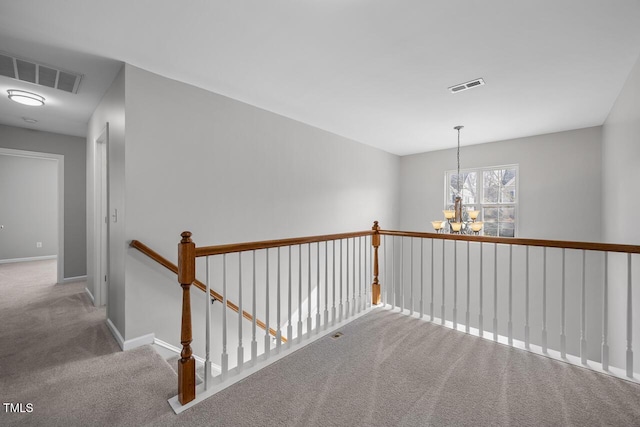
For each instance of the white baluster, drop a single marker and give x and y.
(326, 284)
(401, 284)
(240, 347)
(267, 337)
(544, 300)
(510, 323)
(224, 359)
(480, 315)
(340, 311)
(629, 320)
(432, 285)
(207, 336)
(466, 327)
(299, 293)
(421, 278)
(495, 292)
(605, 314)
(347, 302)
(353, 268)
(563, 337)
(289, 299)
(254, 342)
(455, 284)
(361, 269)
(385, 297)
(317, 287)
(309, 291)
(278, 303)
(333, 294)
(442, 308)
(411, 278)
(526, 301)
(583, 314)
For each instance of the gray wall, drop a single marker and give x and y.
(621, 202)
(28, 207)
(559, 183)
(74, 152)
(111, 111)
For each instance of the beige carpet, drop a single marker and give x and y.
(386, 369)
(57, 354)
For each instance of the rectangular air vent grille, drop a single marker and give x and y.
(33, 72)
(464, 86)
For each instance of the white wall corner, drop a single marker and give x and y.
(138, 342)
(88, 292)
(115, 333)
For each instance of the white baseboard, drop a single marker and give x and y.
(35, 258)
(75, 279)
(88, 292)
(132, 343)
(115, 333)
(178, 350)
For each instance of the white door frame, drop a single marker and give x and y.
(60, 160)
(101, 210)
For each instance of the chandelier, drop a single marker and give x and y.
(457, 219)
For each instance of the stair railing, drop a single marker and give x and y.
(330, 279)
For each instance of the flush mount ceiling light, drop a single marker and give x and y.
(26, 98)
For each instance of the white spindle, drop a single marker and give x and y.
(347, 302)
(455, 284)
(278, 298)
(267, 337)
(402, 304)
(442, 312)
(629, 320)
(563, 337)
(340, 312)
(361, 269)
(411, 278)
(353, 268)
(480, 298)
(510, 323)
(309, 291)
(583, 314)
(326, 284)
(224, 359)
(254, 342)
(605, 315)
(385, 296)
(421, 278)
(289, 299)
(432, 283)
(544, 300)
(317, 287)
(299, 293)
(207, 336)
(240, 346)
(466, 327)
(495, 292)
(333, 284)
(526, 301)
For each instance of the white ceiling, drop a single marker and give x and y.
(375, 71)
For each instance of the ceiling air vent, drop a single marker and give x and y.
(464, 86)
(29, 71)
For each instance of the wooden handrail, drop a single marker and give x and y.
(197, 283)
(266, 244)
(588, 246)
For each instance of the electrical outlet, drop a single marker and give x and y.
(38, 244)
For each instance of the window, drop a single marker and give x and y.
(493, 191)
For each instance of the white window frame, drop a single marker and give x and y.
(480, 190)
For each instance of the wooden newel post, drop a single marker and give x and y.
(375, 242)
(186, 276)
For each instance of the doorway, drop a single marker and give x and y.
(59, 197)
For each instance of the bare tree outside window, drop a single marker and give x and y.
(493, 191)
